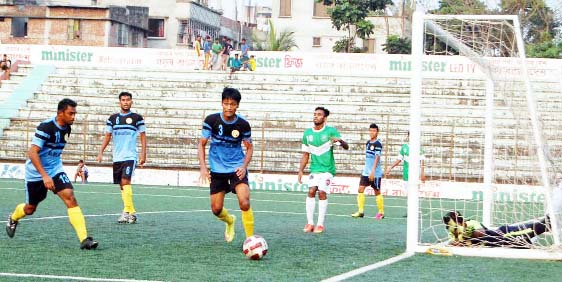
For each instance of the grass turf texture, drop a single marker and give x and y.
(178, 239)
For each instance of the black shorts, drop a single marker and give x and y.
(36, 191)
(375, 184)
(123, 170)
(226, 182)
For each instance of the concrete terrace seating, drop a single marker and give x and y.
(279, 107)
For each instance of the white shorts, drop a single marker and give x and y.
(321, 180)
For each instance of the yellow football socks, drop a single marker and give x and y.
(248, 222)
(18, 213)
(361, 202)
(224, 216)
(77, 220)
(380, 203)
(127, 196)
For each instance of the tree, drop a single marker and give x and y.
(350, 15)
(549, 49)
(285, 41)
(537, 19)
(397, 45)
(461, 7)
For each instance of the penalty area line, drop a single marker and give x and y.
(72, 277)
(367, 268)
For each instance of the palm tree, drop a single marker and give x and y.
(285, 41)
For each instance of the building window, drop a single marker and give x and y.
(285, 8)
(123, 35)
(74, 28)
(19, 27)
(316, 42)
(156, 28)
(135, 42)
(183, 32)
(320, 10)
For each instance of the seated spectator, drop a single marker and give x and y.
(5, 66)
(235, 65)
(82, 172)
(252, 63)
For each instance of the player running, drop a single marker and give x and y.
(44, 171)
(227, 131)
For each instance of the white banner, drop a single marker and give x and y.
(279, 62)
(289, 183)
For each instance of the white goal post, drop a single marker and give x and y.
(509, 150)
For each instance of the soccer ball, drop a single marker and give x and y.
(255, 247)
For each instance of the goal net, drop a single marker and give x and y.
(489, 136)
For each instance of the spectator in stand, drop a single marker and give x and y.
(235, 65)
(252, 63)
(226, 48)
(82, 172)
(207, 51)
(5, 66)
(197, 46)
(244, 56)
(216, 51)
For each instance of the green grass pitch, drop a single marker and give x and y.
(178, 239)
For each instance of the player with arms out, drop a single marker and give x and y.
(470, 232)
(372, 173)
(44, 171)
(318, 145)
(124, 127)
(226, 132)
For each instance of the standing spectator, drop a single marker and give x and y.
(82, 172)
(207, 51)
(5, 66)
(226, 53)
(244, 56)
(216, 49)
(197, 46)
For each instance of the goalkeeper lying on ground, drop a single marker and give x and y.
(471, 232)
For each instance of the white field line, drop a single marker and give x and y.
(207, 197)
(66, 278)
(367, 268)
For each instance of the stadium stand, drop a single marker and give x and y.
(278, 106)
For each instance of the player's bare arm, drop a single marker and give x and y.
(342, 143)
(36, 161)
(375, 164)
(204, 176)
(106, 140)
(387, 172)
(304, 162)
(241, 171)
(142, 158)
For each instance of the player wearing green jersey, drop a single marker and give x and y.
(317, 144)
(404, 156)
